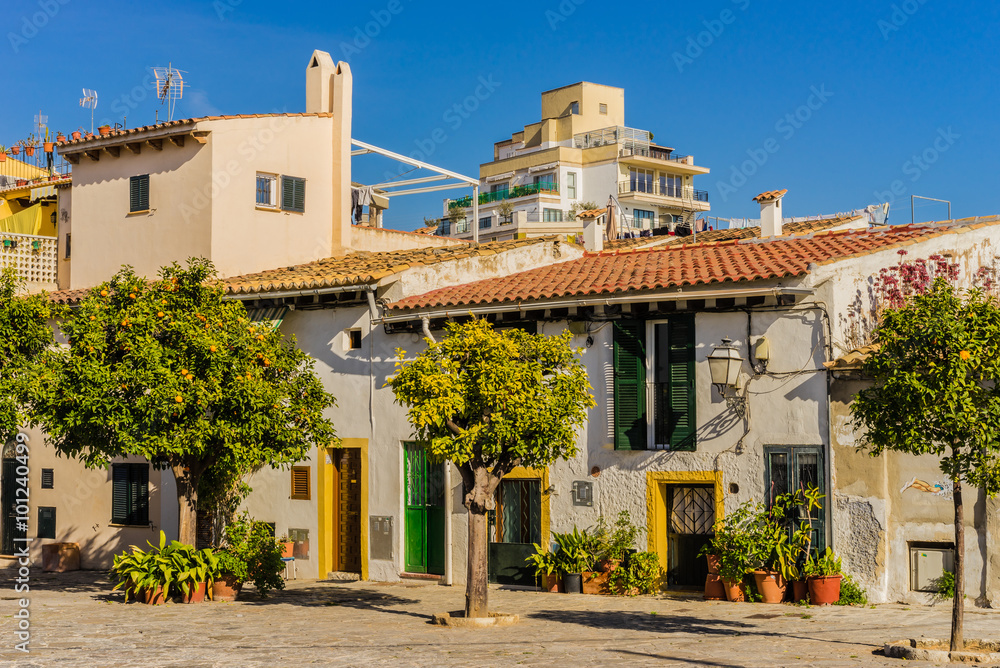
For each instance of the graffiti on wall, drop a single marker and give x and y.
(940, 488)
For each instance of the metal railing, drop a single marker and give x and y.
(22, 169)
(655, 153)
(654, 188)
(34, 258)
(547, 187)
(613, 135)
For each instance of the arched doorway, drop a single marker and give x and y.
(9, 530)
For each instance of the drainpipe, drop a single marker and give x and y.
(425, 326)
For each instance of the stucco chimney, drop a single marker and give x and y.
(593, 231)
(319, 80)
(770, 212)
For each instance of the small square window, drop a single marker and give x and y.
(300, 483)
(603, 108)
(267, 190)
(574, 108)
(353, 339)
(48, 479)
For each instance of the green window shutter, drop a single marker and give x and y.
(683, 424)
(119, 493)
(140, 497)
(630, 384)
(293, 194)
(138, 193)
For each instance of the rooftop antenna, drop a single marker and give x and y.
(169, 87)
(89, 101)
(41, 123)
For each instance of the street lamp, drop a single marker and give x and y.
(725, 364)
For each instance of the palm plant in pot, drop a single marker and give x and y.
(574, 559)
(546, 567)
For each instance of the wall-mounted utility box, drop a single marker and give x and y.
(583, 493)
(927, 564)
(380, 537)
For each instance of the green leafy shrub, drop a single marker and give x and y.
(175, 567)
(851, 593)
(252, 543)
(827, 565)
(576, 552)
(544, 561)
(640, 576)
(614, 541)
(945, 586)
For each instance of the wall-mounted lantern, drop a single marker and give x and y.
(725, 365)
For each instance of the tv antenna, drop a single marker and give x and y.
(169, 87)
(41, 123)
(89, 101)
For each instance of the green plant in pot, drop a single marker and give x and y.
(574, 558)
(194, 570)
(546, 566)
(641, 576)
(736, 543)
(232, 574)
(253, 543)
(823, 576)
(149, 576)
(614, 542)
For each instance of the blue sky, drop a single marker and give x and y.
(841, 103)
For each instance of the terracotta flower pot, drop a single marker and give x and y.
(714, 589)
(60, 138)
(288, 549)
(196, 594)
(104, 130)
(29, 151)
(22, 182)
(607, 565)
(15, 150)
(48, 146)
(3, 157)
(735, 591)
(800, 591)
(595, 583)
(770, 585)
(551, 583)
(226, 588)
(153, 596)
(824, 590)
(713, 563)
(76, 135)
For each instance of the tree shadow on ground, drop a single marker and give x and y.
(663, 657)
(333, 596)
(71, 582)
(632, 620)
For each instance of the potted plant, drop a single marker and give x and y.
(15, 149)
(641, 575)
(194, 570)
(3, 153)
(573, 558)
(232, 574)
(252, 542)
(60, 137)
(287, 547)
(77, 134)
(104, 129)
(29, 145)
(823, 576)
(546, 567)
(614, 543)
(147, 575)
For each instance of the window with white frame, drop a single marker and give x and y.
(644, 219)
(552, 215)
(603, 108)
(571, 185)
(267, 190)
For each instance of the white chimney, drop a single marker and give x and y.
(770, 212)
(593, 234)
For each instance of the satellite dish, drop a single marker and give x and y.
(169, 87)
(89, 101)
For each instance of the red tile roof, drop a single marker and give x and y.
(592, 213)
(770, 195)
(676, 266)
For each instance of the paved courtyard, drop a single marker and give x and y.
(75, 621)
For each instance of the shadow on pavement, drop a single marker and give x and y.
(663, 657)
(334, 596)
(643, 621)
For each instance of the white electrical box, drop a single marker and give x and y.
(927, 564)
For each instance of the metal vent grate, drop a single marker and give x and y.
(48, 479)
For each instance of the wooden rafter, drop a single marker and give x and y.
(134, 146)
(114, 151)
(177, 140)
(155, 143)
(94, 155)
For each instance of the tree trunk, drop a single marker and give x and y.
(187, 504)
(477, 583)
(958, 606)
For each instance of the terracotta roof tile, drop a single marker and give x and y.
(592, 213)
(679, 265)
(852, 360)
(358, 268)
(770, 195)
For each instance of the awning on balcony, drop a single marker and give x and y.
(28, 221)
(500, 177)
(42, 192)
(542, 168)
(268, 317)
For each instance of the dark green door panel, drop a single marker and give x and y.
(424, 515)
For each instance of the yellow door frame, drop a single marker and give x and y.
(657, 512)
(328, 496)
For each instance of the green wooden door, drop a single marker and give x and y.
(424, 514)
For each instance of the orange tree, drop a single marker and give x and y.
(936, 391)
(25, 335)
(491, 401)
(170, 371)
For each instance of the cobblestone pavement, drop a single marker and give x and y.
(75, 621)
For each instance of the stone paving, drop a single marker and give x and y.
(76, 621)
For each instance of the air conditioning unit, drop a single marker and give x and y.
(927, 564)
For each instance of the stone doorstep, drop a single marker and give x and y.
(459, 621)
(340, 576)
(911, 650)
(424, 577)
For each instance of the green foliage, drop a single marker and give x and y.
(640, 576)
(176, 567)
(736, 541)
(170, 371)
(577, 551)
(936, 386)
(498, 399)
(544, 561)
(230, 564)
(945, 586)
(251, 542)
(24, 336)
(615, 541)
(827, 565)
(851, 593)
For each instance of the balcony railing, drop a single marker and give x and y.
(22, 169)
(655, 153)
(613, 135)
(34, 258)
(654, 188)
(547, 187)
